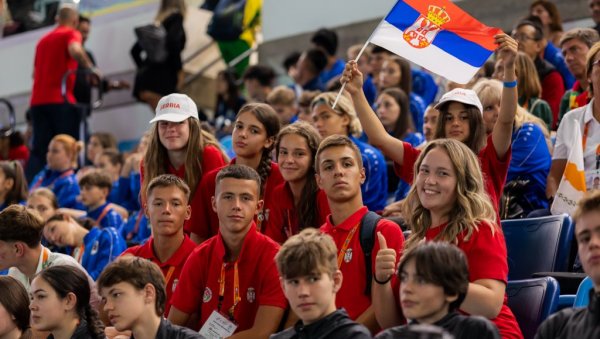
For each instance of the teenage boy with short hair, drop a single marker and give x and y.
(581, 322)
(95, 188)
(167, 209)
(310, 279)
(340, 172)
(133, 294)
(21, 249)
(231, 279)
(434, 279)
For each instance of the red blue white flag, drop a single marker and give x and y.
(437, 35)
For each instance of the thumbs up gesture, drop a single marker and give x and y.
(385, 262)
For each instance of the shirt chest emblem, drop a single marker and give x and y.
(348, 256)
(206, 297)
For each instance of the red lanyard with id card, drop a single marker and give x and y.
(218, 325)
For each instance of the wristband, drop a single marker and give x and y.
(382, 282)
(510, 84)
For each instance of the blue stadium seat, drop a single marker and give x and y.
(582, 298)
(538, 245)
(532, 301)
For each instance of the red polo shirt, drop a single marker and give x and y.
(283, 217)
(212, 158)
(351, 295)
(494, 170)
(51, 63)
(206, 222)
(171, 268)
(198, 289)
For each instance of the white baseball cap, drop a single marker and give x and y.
(175, 108)
(462, 95)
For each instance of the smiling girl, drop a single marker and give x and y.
(300, 202)
(447, 203)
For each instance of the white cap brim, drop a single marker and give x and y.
(172, 117)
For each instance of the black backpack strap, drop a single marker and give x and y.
(368, 225)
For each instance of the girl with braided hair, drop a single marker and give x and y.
(60, 304)
(255, 129)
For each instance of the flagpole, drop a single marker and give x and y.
(337, 98)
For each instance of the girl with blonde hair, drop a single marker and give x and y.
(530, 91)
(59, 174)
(448, 203)
(525, 188)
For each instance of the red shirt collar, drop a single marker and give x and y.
(350, 222)
(177, 259)
(180, 172)
(250, 243)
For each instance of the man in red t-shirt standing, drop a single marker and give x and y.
(57, 53)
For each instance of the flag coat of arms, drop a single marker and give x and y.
(437, 35)
(572, 184)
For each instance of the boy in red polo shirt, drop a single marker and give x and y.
(231, 279)
(340, 173)
(167, 209)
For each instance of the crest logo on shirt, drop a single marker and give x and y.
(175, 281)
(206, 296)
(348, 256)
(251, 295)
(95, 248)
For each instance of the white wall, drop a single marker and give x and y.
(285, 18)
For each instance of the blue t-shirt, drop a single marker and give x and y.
(424, 86)
(336, 69)
(127, 192)
(105, 216)
(554, 56)
(101, 246)
(531, 160)
(137, 228)
(63, 184)
(370, 90)
(417, 110)
(374, 189)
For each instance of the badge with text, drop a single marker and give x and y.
(217, 326)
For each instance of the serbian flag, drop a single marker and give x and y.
(572, 185)
(437, 35)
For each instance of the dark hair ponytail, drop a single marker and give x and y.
(267, 116)
(94, 324)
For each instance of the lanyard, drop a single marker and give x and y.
(236, 289)
(136, 227)
(51, 185)
(45, 257)
(103, 214)
(584, 141)
(344, 248)
(78, 253)
(169, 274)
(288, 230)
